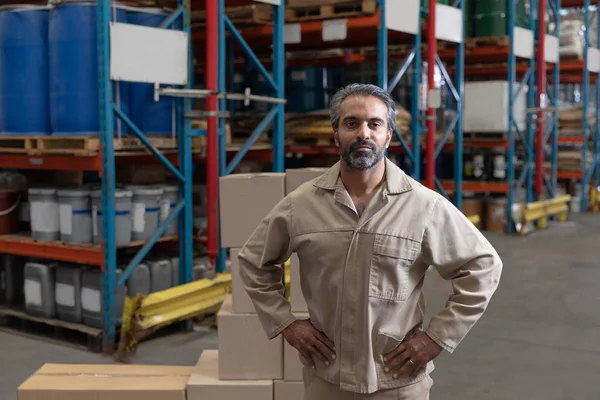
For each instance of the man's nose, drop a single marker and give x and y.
(364, 132)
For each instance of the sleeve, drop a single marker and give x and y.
(261, 269)
(461, 254)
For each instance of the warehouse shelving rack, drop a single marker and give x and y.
(525, 55)
(183, 210)
(584, 72)
(218, 24)
(360, 32)
(180, 165)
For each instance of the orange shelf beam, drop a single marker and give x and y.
(21, 245)
(479, 187)
(570, 140)
(578, 175)
(51, 162)
(24, 245)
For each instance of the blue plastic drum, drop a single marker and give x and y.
(151, 117)
(24, 108)
(74, 71)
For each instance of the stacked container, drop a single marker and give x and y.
(75, 215)
(123, 220)
(39, 289)
(68, 292)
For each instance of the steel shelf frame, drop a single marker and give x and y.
(589, 131)
(183, 210)
(515, 135)
(216, 72)
(456, 86)
(548, 97)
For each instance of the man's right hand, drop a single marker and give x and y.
(312, 344)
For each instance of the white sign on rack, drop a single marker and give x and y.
(403, 16)
(292, 34)
(151, 55)
(273, 2)
(335, 29)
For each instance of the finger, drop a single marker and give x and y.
(323, 338)
(317, 355)
(398, 350)
(397, 362)
(307, 357)
(417, 368)
(406, 368)
(325, 351)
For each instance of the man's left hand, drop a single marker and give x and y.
(411, 356)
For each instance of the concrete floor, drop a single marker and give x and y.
(538, 339)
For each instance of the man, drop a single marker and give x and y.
(365, 234)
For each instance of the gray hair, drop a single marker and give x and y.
(364, 90)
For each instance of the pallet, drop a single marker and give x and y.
(83, 145)
(333, 9)
(485, 41)
(75, 335)
(255, 14)
(485, 136)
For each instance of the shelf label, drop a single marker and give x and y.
(36, 161)
(292, 34)
(336, 29)
(448, 23)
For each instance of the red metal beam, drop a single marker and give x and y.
(212, 148)
(541, 80)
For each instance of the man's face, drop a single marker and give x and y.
(363, 134)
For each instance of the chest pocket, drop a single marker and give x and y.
(390, 274)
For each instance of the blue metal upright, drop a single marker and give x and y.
(276, 114)
(456, 88)
(515, 135)
(589, 132)
(412, 151)
(183, 210)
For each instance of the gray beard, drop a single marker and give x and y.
(362, 160)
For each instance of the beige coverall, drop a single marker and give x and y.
(362, 277)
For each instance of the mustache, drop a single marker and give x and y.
(363, 143)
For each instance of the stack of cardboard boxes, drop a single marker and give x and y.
(247, 363)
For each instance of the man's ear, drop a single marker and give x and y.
(389, 138)
(336, 138)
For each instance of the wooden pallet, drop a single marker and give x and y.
(483, 41)
(76, 335)
(333, 9)
(255, 14)
(84, 145)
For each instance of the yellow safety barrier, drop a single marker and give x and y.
(540, 211)
(595, 199)
(475, 219)
(144, 315)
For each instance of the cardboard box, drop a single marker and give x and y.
(245, 200)
(292, 367)
(296, 297)
(106, 382)
(294, 178)
(245, 352)
(240, 299)
(288, 390)
(204, 384)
